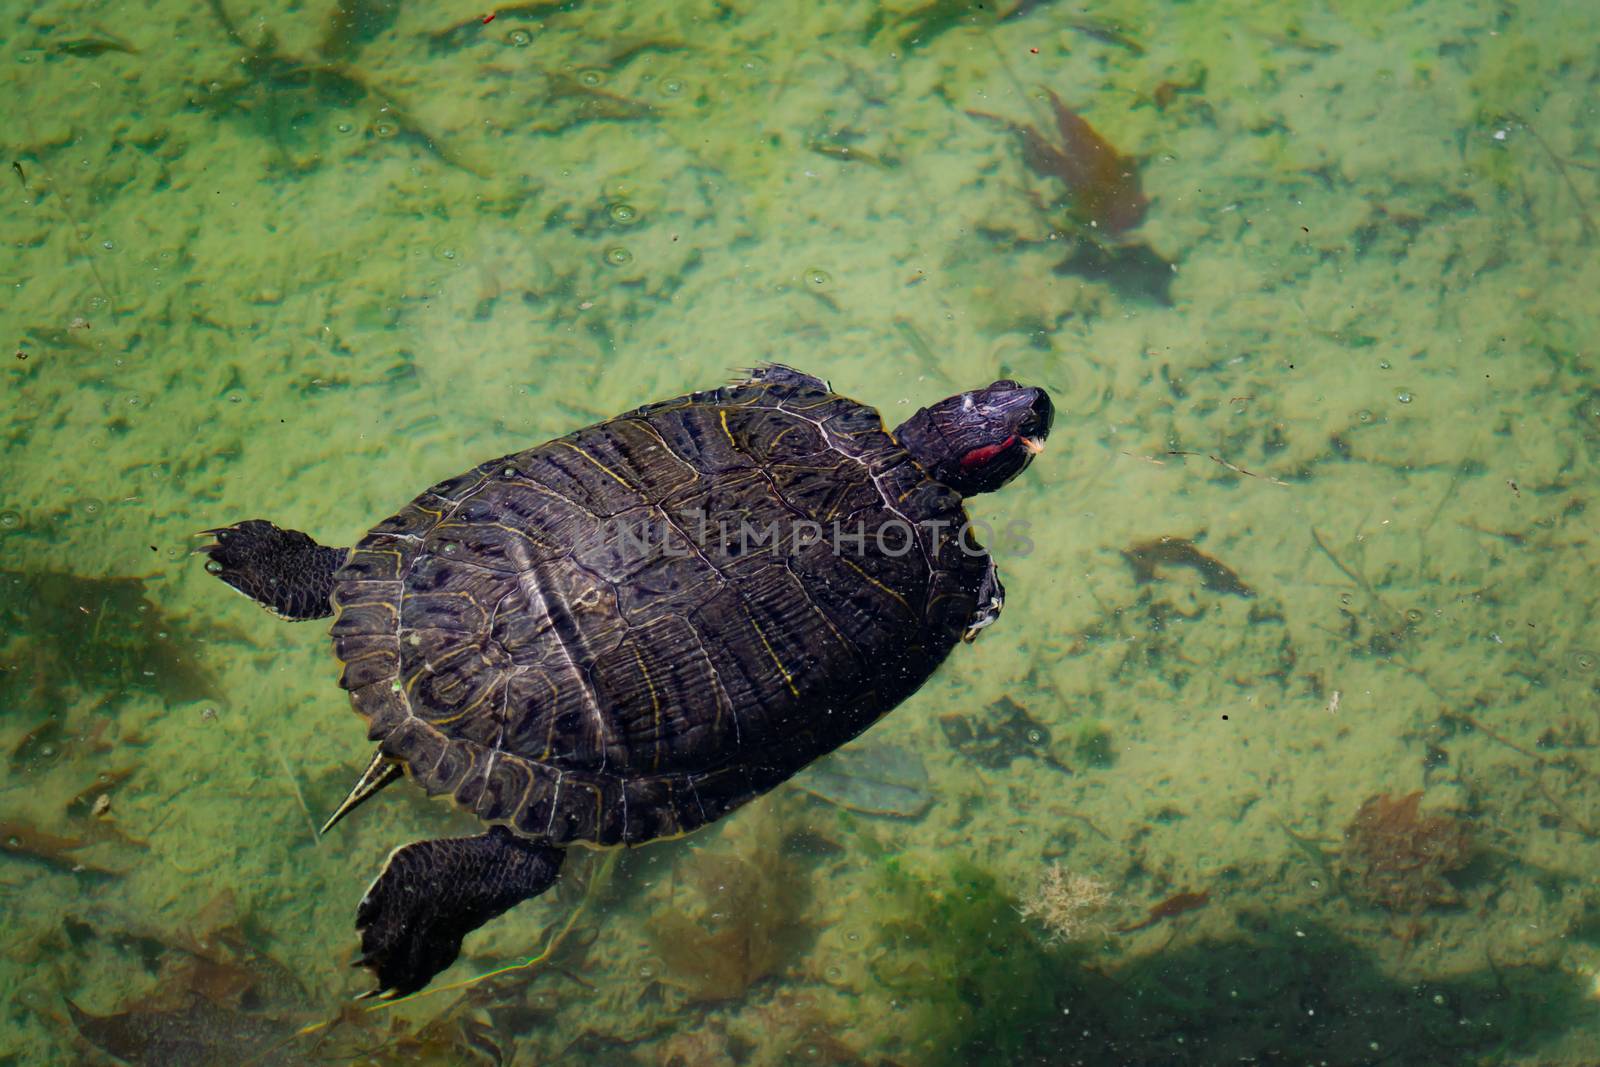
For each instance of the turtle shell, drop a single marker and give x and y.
(627, 632)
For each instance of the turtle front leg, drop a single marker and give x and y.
(991, 598)
(284, 571)
(431, 894)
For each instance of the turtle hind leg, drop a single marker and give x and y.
(431, 894)
(284, 571)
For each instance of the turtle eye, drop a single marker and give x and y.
(1041, 413)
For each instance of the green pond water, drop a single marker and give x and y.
(1286, 749)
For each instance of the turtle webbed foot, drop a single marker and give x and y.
(431, 894)
(284, 571)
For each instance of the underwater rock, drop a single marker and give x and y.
(197, 1033)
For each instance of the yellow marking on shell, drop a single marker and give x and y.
(615, 476)
(688, 465)
(788, 679)
(862, 571)
(785, 432)
(397, 554)
(463, 713)
(549, 739)
(525, 533)
(726, 432)
(819, 613)
(655, 705)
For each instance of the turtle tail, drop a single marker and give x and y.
(284, 571)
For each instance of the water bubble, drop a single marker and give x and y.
(10, 520)
(1383, 364)
(236, 397)
(671, 87)
(445, 253)
(346, 127)
(1363, 415)
(384, 129)
(91, 507)
(213, 567)
(618, 256)
(591, 77)
(624, 213)
(134, 400)
(519, 38)
(1035, 737)
(1583, 661)
(1404, 396)
(833, 974)
(1413, 615)
(508, 472)
(818, 279)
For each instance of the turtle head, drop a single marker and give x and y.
(978, 441)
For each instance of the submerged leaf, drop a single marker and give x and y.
(1102, 185)
(873, 778)
(27, 842)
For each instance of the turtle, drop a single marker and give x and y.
(625, 633)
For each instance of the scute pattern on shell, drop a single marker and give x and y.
(506, 640)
